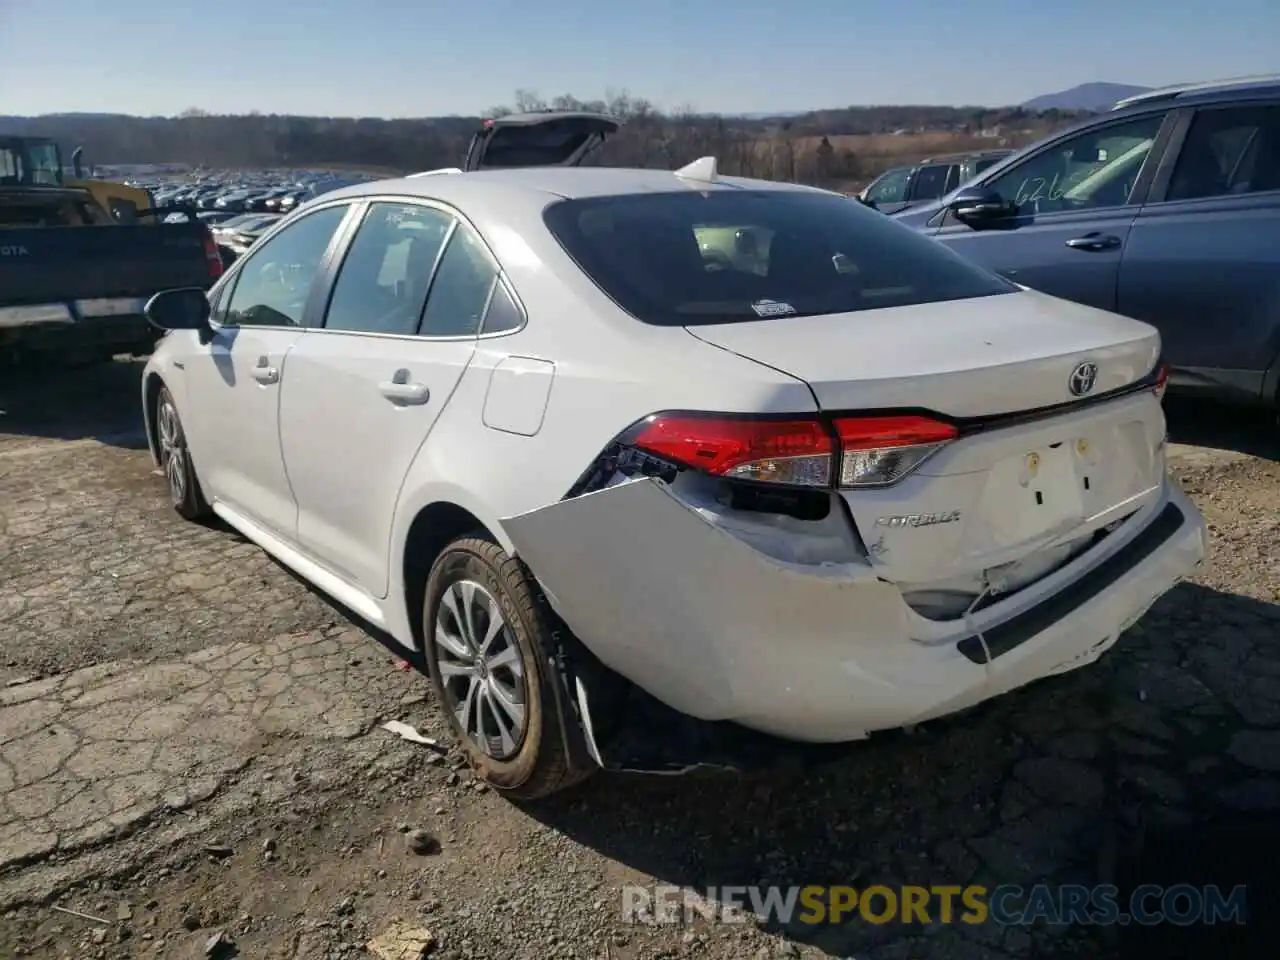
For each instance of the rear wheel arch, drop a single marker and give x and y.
(434, 527)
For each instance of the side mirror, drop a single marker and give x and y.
(867, 202)
(186, 308)
(975, 205)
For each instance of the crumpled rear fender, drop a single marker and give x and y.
(699, 618)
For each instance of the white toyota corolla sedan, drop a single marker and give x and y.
(748, 449)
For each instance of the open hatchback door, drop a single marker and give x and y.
(551, 139)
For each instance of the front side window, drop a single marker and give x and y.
(689, 258)
(891, 187)
(273, 284)
(931, 182)
(382, 284)
(1094, 169)
(1228, 152)
(985, 164)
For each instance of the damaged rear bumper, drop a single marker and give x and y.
(826, 653)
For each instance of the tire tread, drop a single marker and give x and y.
(553, 770)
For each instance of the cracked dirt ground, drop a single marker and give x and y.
(190, 743)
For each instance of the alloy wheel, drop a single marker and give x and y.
(173, 454)
(481, 669)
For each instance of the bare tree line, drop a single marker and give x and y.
(792, 148)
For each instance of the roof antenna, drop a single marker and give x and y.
(704, 169)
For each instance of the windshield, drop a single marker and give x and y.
(549, 143)
(11, 166)
(30, 164)
(730, 255)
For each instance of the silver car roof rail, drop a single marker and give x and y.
(1179, 89)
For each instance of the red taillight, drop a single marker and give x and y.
(871, 451)
(212, 258)
(1162, 380)
(872, 433)
(797, 452)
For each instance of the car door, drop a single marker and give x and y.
(366, 388)
(1075, 202)
(1203, 261)
(234, 380)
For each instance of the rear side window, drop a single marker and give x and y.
(691, 258)
(460, 291)
(1229, 151)
(504, 314)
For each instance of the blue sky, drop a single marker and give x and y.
(426, 57)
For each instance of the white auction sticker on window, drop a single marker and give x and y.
(772, 308)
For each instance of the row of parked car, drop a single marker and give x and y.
(272, 191)
(238, 207)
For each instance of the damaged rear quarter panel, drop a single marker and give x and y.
(703, 621)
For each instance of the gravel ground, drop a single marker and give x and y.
(191, 753)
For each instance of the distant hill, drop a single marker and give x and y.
(1087, 96)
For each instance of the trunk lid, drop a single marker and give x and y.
(1012, 498)
(552, 139)
(963, 358)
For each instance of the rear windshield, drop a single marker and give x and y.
(691, 258)
(550, 143)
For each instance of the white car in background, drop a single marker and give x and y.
(750, 447)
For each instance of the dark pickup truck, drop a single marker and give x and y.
(76, 292)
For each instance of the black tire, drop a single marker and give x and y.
(540, 764)
(175, 460)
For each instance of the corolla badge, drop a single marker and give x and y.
(918, 519)
(1082, 378)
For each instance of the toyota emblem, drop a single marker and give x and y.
(1082, 378)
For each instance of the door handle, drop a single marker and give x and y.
(1094, 242)
(401, 390)
(265, 373)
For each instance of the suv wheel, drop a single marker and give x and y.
(488, 642)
